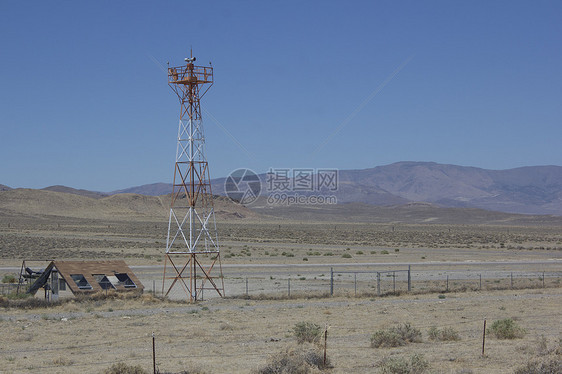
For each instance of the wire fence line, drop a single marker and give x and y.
(340, 282)
(334, 281)
(8, 288)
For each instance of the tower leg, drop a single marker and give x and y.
(186, 274)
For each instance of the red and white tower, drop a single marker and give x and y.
(192, 246)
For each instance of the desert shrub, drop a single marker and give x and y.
(122, 368)
(26, 301)
(548, 365)
(417, 364)
(295, 360)
(18, 296)
(396, 336)
(108, 295)
(386, 338)
(346, 255)
(506, 329)
(62, 361)
(547, 360)
(446, 334)
(191, 370)
(384, 252)
(8, 279)
(307, 332)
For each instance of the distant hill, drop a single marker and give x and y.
(23, 203)
(529, 190)
(4, 188)
(29, 202)
(411, 213)
(154, 189)
(92, 194)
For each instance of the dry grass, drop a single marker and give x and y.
(247, 332)
(547, 359)
(444, 335)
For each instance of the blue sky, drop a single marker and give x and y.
(84, 101)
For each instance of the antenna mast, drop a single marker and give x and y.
(192, 229)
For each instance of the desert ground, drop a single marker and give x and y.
(277, 273)
(238, 336)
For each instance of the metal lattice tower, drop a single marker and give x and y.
(192, 230)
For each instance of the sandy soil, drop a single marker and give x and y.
(226, 335)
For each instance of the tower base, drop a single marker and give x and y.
(192, 274)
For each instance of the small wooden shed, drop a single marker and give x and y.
(83, 277)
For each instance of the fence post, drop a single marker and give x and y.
(511, 275)
(543, 279)
(409, 279)
(480, 282)
(484, 337)
(325, 344)
(289, 287)
(331, 281)
(394, 281)
(447, 289)
(153, 354)
(355, 282)
(378, 283)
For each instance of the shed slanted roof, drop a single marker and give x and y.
(88, 268)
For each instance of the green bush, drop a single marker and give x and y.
(295, 360)
(307, 332)
(384, 252)
(8, 279)
(446, 334)
(506, 329)
(396, 336)
(346, 255)
(122, 368)
(417, 364)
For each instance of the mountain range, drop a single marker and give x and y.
(527, 190)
